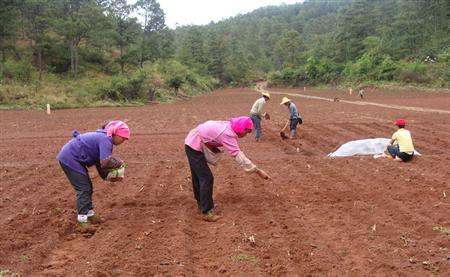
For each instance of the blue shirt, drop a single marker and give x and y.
(86, 150)
(293, 110)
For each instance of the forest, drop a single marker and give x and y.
(74, 53)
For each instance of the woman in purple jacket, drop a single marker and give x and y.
(86, 150)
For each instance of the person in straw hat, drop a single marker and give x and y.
(256, 113)
(294, 118)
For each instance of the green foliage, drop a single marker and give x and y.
(321, 70)
(95, 52)
(346, 41)
(21, 71)
(412, 72)
(122, 88)
(287, 77)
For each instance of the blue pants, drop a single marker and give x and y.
(293, 127)
(83, 186)
(257, 125)
(394, 150)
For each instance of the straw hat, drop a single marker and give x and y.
(266, 94)
(285, 100)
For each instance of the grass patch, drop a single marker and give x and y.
(243, 257)
(8, 273)
(24, 258)
(442, 230)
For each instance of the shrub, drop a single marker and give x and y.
(412, 72)
(21, 71)
(386, 70)
(123, 88)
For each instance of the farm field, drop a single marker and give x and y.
(355, 216)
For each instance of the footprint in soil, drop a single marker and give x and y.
(130, 203)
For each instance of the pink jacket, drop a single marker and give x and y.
(214, 134)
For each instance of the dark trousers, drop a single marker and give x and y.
(83, 186)
(394, 150)
(257, 125)
(202, 179)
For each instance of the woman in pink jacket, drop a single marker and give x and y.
(201, 146)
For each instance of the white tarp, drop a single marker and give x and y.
(374, 146)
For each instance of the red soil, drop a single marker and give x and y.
(317, 216)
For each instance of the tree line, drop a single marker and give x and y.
(325, 42)
(55, 35)
(311, 42)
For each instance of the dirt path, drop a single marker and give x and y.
(261, 88)
(317, 216)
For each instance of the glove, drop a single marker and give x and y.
(283, 135)
(111, 163)
(267, 116)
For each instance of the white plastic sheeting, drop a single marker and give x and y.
(374, 146)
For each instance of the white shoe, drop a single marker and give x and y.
(82, 218)
(90, 213)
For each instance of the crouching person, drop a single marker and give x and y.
(202, 147)
(86, 150)
(401, 146)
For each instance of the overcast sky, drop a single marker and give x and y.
(184, 12)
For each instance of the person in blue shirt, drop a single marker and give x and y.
(91, 149)
(294, 118)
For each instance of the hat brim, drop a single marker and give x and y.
(266, 94)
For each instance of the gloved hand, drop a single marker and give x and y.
(267, 116)
(111, 163)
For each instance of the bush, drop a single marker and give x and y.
(322, 70)
(414, 72)
(57, 56)
(175, 81)
(386, 70)
(21, 71)
(123, 88)
(287, 77)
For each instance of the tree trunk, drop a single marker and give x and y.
(151, 94)
(75, 61)
(141, 62)
(72, 58)
(1, 63)
(121, 59)
(40, 63)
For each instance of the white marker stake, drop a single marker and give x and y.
(48, 109)
(350, 91)
(304, 88)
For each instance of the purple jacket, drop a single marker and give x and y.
(85, 150)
